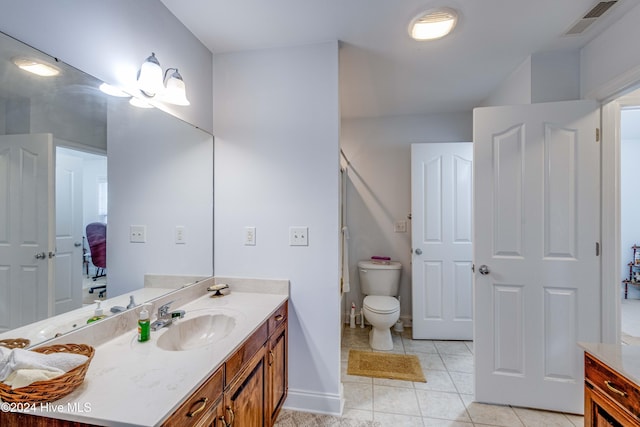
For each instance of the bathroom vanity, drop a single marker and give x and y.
(612, 385)
(238, 377)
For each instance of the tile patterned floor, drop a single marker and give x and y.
(446, 399)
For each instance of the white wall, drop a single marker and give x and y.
(555, 76)
(276, 121)
(111, 39)
(542, 77)
(95, 170)
(160, 175)
(379, 187)
(609, 61)
(515, 89)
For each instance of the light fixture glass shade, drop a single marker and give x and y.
(150, 76)
(36, 67)
(140, 103)
(433, 24)
(175, 91)
(113, 91)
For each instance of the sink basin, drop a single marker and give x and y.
(197, 332)
(55, 329)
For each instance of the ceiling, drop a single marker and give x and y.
(382, 71)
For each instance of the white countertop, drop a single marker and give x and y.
(625, 359)
(139, 384)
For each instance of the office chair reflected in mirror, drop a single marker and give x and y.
(97, 239)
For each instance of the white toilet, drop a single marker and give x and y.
(380, 283)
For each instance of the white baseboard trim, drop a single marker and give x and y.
(317, 403)
(406, 321)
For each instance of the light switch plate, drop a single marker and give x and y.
(249, 236)
(180, 235)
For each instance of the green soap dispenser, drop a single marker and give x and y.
(98, 314)
(144, 325)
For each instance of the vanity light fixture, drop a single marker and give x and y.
(140, 103)
(170, 89)
(36, 67)
(175, 92)
(433, 24)
(113, 91)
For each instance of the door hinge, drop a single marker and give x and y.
(597, 248)
(473, 268)
(597, 134)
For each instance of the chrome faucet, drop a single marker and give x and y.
(165, 317)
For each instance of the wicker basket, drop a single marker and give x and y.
(15, 343)
(55, 388)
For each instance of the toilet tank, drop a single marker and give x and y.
(379, 279)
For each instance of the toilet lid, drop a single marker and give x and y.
(381, 304)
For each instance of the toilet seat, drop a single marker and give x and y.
(381, 304)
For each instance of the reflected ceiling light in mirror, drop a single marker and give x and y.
(170, 89)
(36, 67)
(140, 103)
(433, 24)
(113, 91)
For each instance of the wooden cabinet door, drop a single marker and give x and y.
(600, 411)
(277, 372)
(215, 417)
(199, 404)
(245, 397)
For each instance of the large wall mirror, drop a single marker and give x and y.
(94, 193)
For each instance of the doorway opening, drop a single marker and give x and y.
(81, 194)
(630, 222)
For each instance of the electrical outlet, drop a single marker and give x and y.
(400, 226)
(298, 236)
(137, 233)
(249, 236)
(180, 235)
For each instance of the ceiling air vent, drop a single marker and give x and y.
(590, 17)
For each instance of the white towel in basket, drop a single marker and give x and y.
(24, 377)
(17, 358)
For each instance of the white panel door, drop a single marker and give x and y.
(69, 257)
(26, 231)
(536, 229)
(441, 212)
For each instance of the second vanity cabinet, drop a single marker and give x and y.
(610, 399)
(251, 386)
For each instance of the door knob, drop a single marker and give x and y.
(77, 244)
(418, 251)
(484, 270)
(41, 255)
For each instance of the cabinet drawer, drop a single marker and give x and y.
(234, 364)
(612, 384)
(278, 318)
(199, 404)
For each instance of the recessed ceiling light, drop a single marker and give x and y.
(36, 67)
(433, 24)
